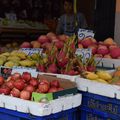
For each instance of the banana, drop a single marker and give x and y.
(91, 76)
(14, 52)
(104, 75)
(9, 64)
(1, 62)
(6, 54)
(2, 57)
(22, 55)
(101, 80)
(13, 58)
(27, 63)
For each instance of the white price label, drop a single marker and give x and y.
(84, 53)
(83, 33)
(31, 51)
(24, 69)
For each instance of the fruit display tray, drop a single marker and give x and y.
(108, 63)
(40, 109)
(108, 90)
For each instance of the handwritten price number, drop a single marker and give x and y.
(83, 33)
(84, 53)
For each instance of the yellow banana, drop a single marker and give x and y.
(101, 80)
(91, 76)
(104, 75)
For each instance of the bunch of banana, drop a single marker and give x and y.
(99, 76)
(17, 58)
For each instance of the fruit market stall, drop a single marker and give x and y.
(54, 63)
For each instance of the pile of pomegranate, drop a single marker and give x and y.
(22, 86)
(106, 49)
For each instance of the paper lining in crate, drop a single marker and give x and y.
(108, 63)
(40, 109)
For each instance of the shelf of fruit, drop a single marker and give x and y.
(60, 58)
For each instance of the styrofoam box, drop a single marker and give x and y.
(40, 109)
(108, 90)
(106, 62)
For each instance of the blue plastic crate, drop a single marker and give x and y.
(6, 114)
(101, 103)
(91, 114)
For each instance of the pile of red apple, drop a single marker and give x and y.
(22, 86)
(106, 49)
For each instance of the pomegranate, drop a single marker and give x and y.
(55, 83)
(34, 82)
(43, 87)
(25, 95)
(53, 89)
(15, 92)
(1, 80)
(29, 88)
(102, 50)
(87, 42)
(115, 52)
(19, 84)
(26, 76)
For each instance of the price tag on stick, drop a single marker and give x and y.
(84, 53)
(83, 33)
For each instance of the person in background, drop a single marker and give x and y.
(67, 22)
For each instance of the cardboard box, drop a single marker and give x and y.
(70, 88)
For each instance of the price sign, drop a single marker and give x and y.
(83, 33)
(84, 53)
(5, 71)
(31, 51)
